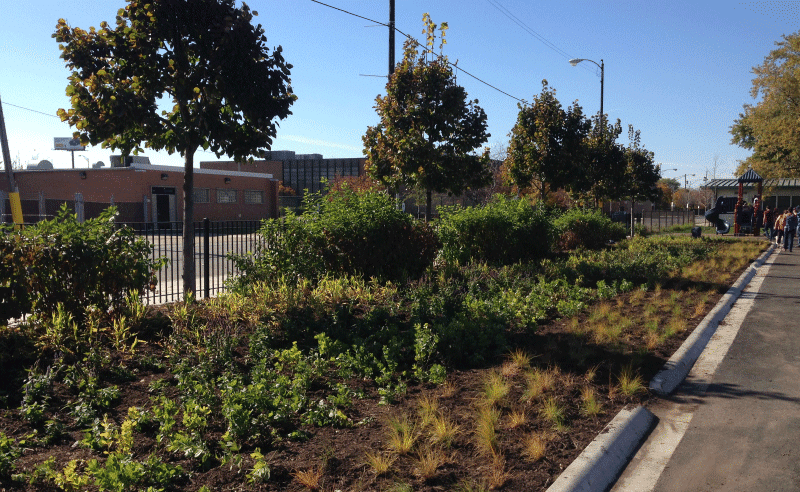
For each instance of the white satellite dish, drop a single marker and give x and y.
(45, 164)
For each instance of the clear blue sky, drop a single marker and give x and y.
(679, 71)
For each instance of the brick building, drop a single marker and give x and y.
(143, 193)
(299, 172)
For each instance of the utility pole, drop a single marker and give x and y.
(391, 37)
(391, 70)
(12, 185)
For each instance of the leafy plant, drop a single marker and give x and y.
(261, 471)
(584, 228)
(342, 233)
(79, 264)
(502, 232)
(10, 450)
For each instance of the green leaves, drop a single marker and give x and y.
(770, 127)
(429, 130)
(553, 148)
(76, 264)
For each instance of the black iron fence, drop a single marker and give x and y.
(213, 243)
(656, 220)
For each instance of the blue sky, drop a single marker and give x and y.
(679, 71)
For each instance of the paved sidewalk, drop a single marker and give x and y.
(734, 424)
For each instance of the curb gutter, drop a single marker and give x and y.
(599, 464)
(681, 362)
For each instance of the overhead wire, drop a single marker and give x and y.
(56, 116)
(516, 20)
(29, 109)
(425, 48)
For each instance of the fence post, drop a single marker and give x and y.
(206, 259)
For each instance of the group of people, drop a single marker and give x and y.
(782, 228)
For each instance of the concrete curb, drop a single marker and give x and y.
(598, 465)
(681, 362)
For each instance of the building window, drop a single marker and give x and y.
(201, 195)
(254, 196)
(226, 196)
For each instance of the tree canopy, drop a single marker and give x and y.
(547, 143)
(428, 130)
(557, 148)
(771, 127)
(176, 75)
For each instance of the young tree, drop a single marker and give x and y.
(668, 187)
(428, 130)
(547, 144)
(642, 172)
(771, 128)
(202, 61)
(605, 168)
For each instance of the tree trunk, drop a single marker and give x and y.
(188, 224)
(428, 205)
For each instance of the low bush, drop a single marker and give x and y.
(343, 233)
(502, 232)
(78, 265)
(589, 229)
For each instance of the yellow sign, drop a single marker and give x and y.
(16, 209)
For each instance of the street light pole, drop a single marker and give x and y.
(601, 65)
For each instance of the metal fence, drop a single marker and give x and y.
(656, 220)
(213, 243)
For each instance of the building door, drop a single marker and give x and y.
(163, 206)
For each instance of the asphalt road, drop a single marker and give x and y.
(170, 283)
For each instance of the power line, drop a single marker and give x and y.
(31, 110)
(516, 20)
(55, 116)
(424, 47)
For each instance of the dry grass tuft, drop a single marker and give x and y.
(401, 434)
(443, 431)
(590, 406)
(520, 358)
(498, 475)
(535, 446)
(495, 389)
(517, 418)
(629, 382)
(310, 479)
(486, 438)
(591, 373)
(380, 463)
(448, 389)
(429, 459)
(553, 412)
(427, 409)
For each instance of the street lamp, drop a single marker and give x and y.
(601, 65)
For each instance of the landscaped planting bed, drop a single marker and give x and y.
(470, 378)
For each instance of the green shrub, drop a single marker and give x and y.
(504, 231)
(589, 229)
(76, 264)
(343, 232)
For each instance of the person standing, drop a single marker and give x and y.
(779, 228)
(789, 229)
(769, 221)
